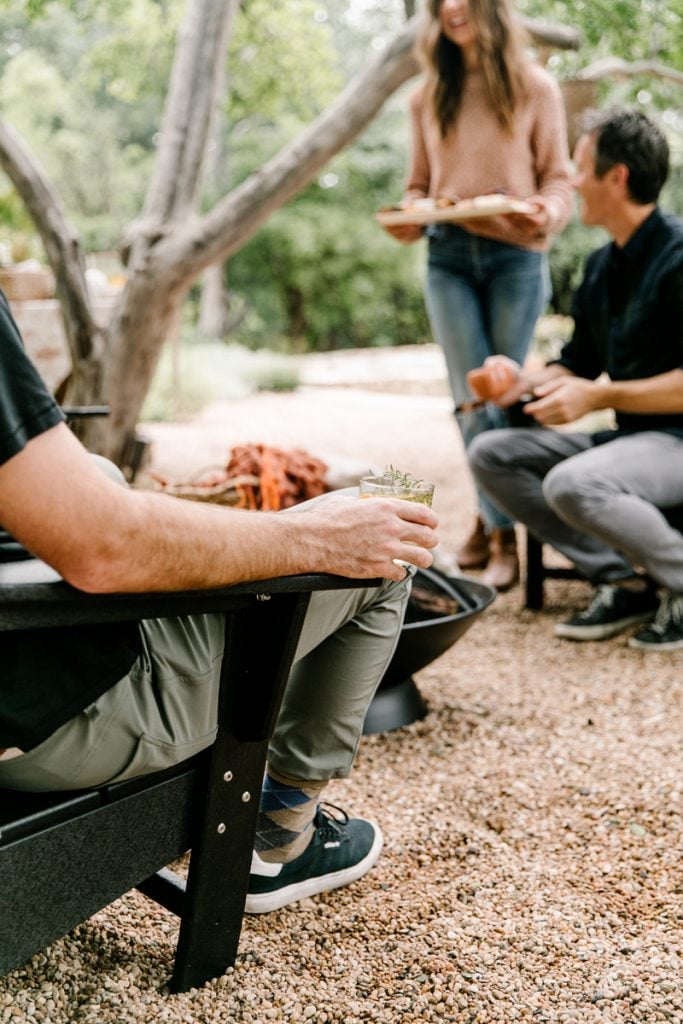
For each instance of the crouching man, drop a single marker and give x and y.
(601, 498)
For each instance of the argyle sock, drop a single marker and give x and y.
(285, 822)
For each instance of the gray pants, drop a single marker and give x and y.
(165, 709)
(599, 505)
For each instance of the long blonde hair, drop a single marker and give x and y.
(499, 44)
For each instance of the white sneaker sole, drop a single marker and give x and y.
(264, 903)
(604, 632)
(672, 645)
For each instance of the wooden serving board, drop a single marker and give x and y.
(467, 210)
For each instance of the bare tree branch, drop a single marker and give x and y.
(616, 67)
(190, 103)
(549, 33)
(62, 245)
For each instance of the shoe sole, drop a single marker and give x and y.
(567, 632)
(264, 903)
(643, 645)
(502, 588)
(480, 563)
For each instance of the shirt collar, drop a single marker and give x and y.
(639, 240)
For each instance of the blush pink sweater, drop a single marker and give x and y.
(478, 156)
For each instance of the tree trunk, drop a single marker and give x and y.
(213, 306)
(146, 316)
(62, 248)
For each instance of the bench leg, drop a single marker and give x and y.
(534, 573)
(260, 647)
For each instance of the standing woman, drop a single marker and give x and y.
(485, 119)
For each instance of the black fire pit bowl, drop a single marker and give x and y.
(424, 637)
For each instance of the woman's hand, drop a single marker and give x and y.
(531, 225)
(405, 233)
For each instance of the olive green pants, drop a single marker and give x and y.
(165, 709)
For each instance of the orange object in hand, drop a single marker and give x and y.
(489, 382)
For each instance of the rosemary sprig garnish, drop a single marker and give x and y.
(404, 479)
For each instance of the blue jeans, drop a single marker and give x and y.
(483, 298)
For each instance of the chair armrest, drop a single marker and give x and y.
(32, 596)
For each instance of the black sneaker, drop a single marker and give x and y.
(612, 610)
(666, 632)
(340, 851)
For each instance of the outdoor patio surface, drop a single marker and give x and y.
(533, 860)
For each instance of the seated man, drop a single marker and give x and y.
(88, 705)
(599, 498)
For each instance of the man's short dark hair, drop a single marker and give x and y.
(624, 136)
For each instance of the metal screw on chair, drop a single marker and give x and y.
(263, 597)
(221, 828)
(246, 797)
(227, 777)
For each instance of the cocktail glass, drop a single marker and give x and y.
(389, 485)
(386, 485)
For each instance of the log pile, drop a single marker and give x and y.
(256, 476)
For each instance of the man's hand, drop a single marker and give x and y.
(564, 400)
(529, 382)
(520, 386)
(363, 537)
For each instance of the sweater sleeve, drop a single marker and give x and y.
(418, 180)
(550, 149)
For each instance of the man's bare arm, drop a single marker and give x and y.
(102, 537)
(565, 400)
(660, 394)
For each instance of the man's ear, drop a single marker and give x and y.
(619, 175)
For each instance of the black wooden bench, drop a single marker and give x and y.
(64, 856)
(537, 571)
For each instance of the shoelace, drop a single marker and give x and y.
(328, 826)
(670, 610)
(603, 598)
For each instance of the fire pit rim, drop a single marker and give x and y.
(445, 583)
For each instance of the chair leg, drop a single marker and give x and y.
(260, 647)
(534, 573)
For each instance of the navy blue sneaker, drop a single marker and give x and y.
(612, 610)
(666, 632)
(341, 851)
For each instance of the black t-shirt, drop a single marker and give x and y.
(628, 316)
(46, 676)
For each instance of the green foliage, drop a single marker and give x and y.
(329, 278)
(87, 94)
(198, 371)
(270, 67)
(632, 29)
(322, 271)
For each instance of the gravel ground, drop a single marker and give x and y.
(533, 830)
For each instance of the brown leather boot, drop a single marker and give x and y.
(475, 552)
(502, 571)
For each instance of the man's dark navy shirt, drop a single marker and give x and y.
(628, 315)
(46, 675)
